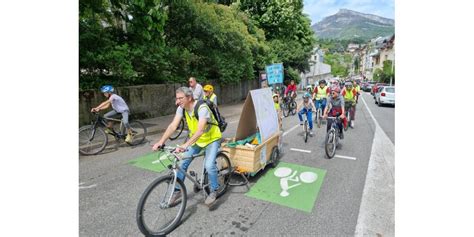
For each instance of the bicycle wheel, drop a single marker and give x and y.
(305, 130)
(293, 107)
(285, 109)
(139, 133)
(92, 141)
(318, 115)
(274, 157)
(224, 171)
(178, 130)
(155, 217)
(330, 146)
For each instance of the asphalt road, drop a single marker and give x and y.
(110, 188)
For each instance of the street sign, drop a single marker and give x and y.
(274, 73)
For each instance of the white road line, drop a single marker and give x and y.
(345, 157)
(291, 129)
(86, 187)
(294, 149)
(377, 207)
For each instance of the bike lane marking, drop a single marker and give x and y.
(290, 185)
(300, 150)
(346, 157)
(151, 161)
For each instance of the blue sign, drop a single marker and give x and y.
(274, 73)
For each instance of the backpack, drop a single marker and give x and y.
(221, 123)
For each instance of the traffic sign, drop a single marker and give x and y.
(274, 73)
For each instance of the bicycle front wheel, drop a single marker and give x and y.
(318, 116)
(92, 140)
(224, 171)
(330, 146)
(156, 216)
(178, 130)
(285, 109)
(305, 130)
(138, 131)
(293, 107)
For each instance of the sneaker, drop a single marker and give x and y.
(352, 124)
(211, 198)
(176, 198)
(129, 138)
(311, 133)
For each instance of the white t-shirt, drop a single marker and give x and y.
(198, 92)
(118, 104)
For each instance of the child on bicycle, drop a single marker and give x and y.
(307, 105)
(119, 107)
(334, 106)
(350, 96)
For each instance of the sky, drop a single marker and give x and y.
(318, 9)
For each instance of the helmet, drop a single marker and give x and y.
(208, 88)
(107, 89)
(275, 95)
(306, 95)
(336, 89)
(309, 87)
(348, 84)
(322, 82)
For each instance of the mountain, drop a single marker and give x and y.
(348, 24)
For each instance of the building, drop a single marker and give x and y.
(318, 69)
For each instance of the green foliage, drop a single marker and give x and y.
(384, 75)
(125, 42)
(291, 74)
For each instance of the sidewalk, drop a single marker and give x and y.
(159, 124)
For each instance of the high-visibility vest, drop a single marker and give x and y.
(321, 93)
(212, 97)
(349, 95)
(211, 132)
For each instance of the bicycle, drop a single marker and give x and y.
(349, 106)
(318, 116)
(332, 138)
(288, 106)
(156, 199)
(305, 127)
(93, 139)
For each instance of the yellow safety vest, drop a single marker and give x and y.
(211, 132)
(349, 96)
(277, 106)
(321, 93)
(212, 97)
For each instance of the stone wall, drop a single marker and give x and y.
(148, 101)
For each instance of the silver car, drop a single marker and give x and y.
(385, 95)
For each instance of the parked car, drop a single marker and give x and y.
(385, 95)
(375, 88)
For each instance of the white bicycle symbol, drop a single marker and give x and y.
(285, 174)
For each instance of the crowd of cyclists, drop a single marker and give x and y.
(334, 99)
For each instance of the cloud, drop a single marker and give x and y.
(318, 9)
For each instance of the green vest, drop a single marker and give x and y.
(321, 93)
(211, 132)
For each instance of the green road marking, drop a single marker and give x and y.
(150, 162)
(296, 186)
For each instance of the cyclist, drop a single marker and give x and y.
(119, 107)
(309, 89)
(276, 102)
(320, 95)
(306, 107)
(196, 88)
(349, 93)
(335, 105)
(291, 89)
(205, 134)
(209, 94)
(357, 87)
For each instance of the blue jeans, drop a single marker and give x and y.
(309, 116)
(209, 162)
(320, 104)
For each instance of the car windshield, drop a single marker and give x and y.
(390, 90)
